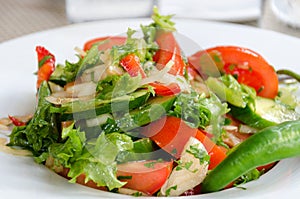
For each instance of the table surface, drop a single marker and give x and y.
(21, 17)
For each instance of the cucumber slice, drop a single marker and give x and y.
(266, 112)
(155, 109)
(143, 149)
(227, 88)
(90, 109)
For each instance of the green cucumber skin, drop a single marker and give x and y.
(266, 113)
(139, 117)
(107, 108)
(154, 111)
(267, 146)
(249, 117)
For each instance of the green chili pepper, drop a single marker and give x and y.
(267, 146)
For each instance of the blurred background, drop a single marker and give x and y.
(21, 17)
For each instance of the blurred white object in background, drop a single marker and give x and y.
(223, 10)
(288, 11)
(89, 10)
(272, 17)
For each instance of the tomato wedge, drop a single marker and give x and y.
(107, 42)
(167, 47)
(216, 153)
(145, 176)
(46, 62)
(171, 134)
(249, 67)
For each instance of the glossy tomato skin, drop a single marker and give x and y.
(168, 47)
(171, 134)
(145, 176)
(249, 67)
(217, 154)
(108, 42)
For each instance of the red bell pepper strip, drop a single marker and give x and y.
(131, 63)
(16, 121)
(46, 62)
(171, 134)
(165, 90)
(167, 47)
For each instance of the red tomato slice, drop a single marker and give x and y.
(249, 67)
(108, 42)
(217, 154)
(167, 47)
(131, 63)
(267, 167)
(46, 65)
(81, 180)
(172, 133)
(145, 176)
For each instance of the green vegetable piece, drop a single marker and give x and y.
(228, 89)
(143, 149)
(95, 107)
(63, 153)
(97, 160)
(269, 145)
(91, 59)
(64, 74)
(289, 73)
(122, 141)
(41, 131)
(263, 113)
(192, 108)
(163, 21)
(126, 84)
(153, 110)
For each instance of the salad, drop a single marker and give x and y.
(136, 116)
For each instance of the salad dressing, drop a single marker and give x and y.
(12, 151)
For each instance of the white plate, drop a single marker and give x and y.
(228, 10)
(22, 178)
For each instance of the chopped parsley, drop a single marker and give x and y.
(185, 165)
(199, 154)
(168, 191)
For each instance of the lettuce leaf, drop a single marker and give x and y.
(41, 131)
(96, 158)
(191, 107)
